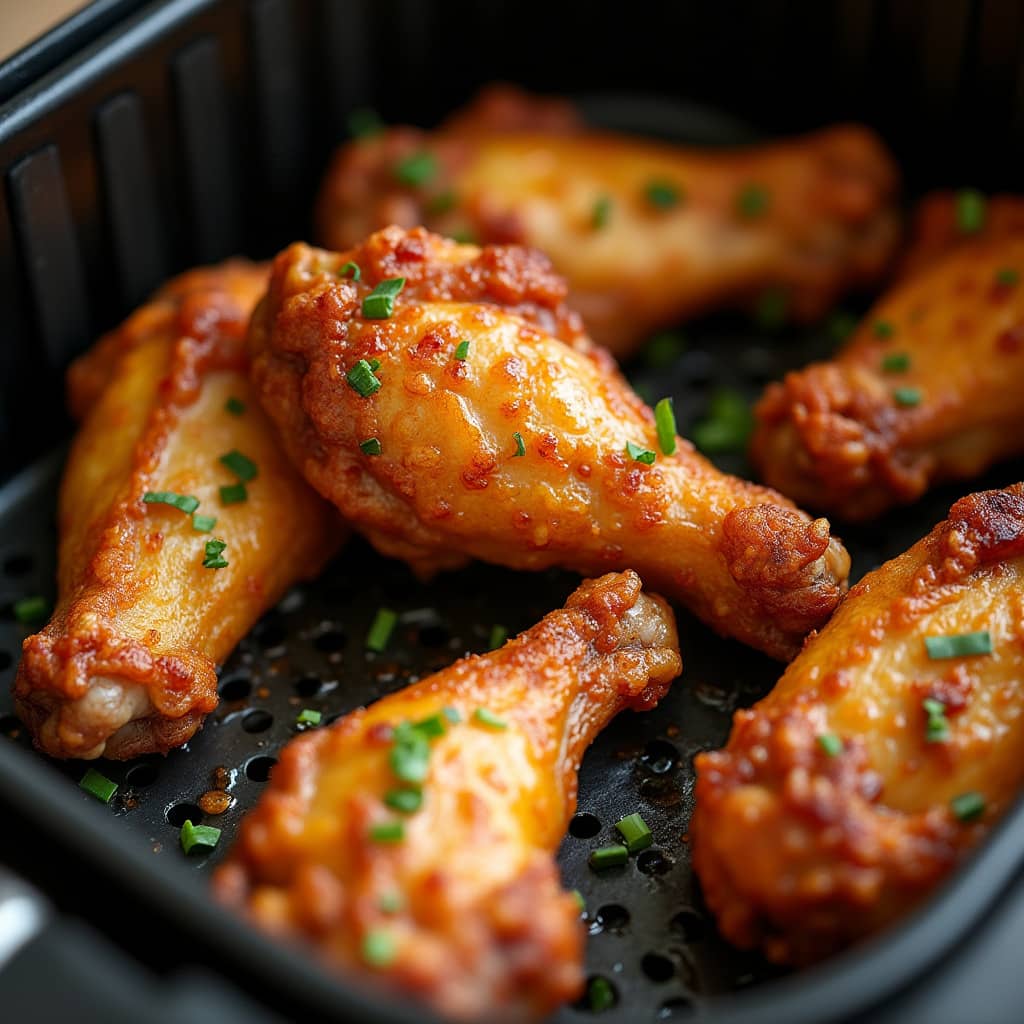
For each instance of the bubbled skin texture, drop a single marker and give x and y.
(449, 486)
(127, 663)
(801, 853)
(834, 435)
(483, 929)
(517, 168)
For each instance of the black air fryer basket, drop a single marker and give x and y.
(139, 139)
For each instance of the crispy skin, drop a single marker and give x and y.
(484, 930)
(127, 664)
(535, 177)
(833, 435)
(448, 485)
(801, 853)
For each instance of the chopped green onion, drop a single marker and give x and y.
(841, 325)
(380, 304)
(640, 454)
(380, 630)
(408, 801)
(185, 502)
(351, 268)
(771, 308)
(608, 856)
(410, 754)
(958, 646)
(364, 123)
(213, 555)
(309, 716)
(938, 725)
(601, 213)
(520, 446)
(489, 719)
(462, 350)
(600, 995)
(233, 494)
(968, 806)
(390, 902)
(417, 169)
(665, 419)
(883, 329)
(635, 832)
(431, 727)
(830, 743)
(728, 425)
(662, 194)
(241, 465)
(752, 201)
(499, 634)
(1007, 277)
(442, 202)
(664, 349)
(379, 948)
(235, 406)
(452, 714)
(362, 380)
(387, 832)
(374, 365)
(98, 785)
(204, 836)
(203, 524)
(907, 397)
(896, 362)
(580, 901)
(371, 446)
(970, 211)
(31, 609)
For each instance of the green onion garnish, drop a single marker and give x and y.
(907, 397)
(896, 362)
(213, 552)
(728, 425)
(380, 303)
(432, 727)
(410, 754)
(408, 801)
(31, 609)
(98, 785)
(203, 524)
(771, 308)
(499, 634)
(635, 832)
(968, 806)
(640, 454)
(608, 856)
(580, 901)
(379, 949)
(387, 832)
(235, 406)
(362, 380)
(233, 494)
(520, 446)
(371, 446)
(664, 349)
(416, 170)
(1007, 277)
(452, 714)
(241, 465)
(665, 419)
(462, 350)
(351, 268)
(830, 743)
(204, 836)
(752, 201)
(364, 123)
(601, 213)
(883, 329)
(186, 502)
(938, 725)
(309, 716)
(390, 902)
(970, 211)
(380, 630)
(489, 719)
(442, 202)
(958, 646)
(841, 325)
(662, 194)
(600, 995)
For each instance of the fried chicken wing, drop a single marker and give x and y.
(499, 432)
(451, 891)
(844, 797)
(127, 663)
(646, 233)
(927, 389)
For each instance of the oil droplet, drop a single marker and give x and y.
(215, 801)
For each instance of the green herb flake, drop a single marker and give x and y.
(352, 269)
(971, 208)
(967, 806)
(371, 446)
(907, 398)
(233, 494)
(520, 445)
(235, 406)
(381, 629)
(184, 502)
(665, 420)
(452, 714)
(379, 948)
(410, 754)
(1007, 277)
(499, 634)
(462, 350)
(390, 902)
(443, 202)
(379, 305)
(600, 995)
(640, 454)
(663, 195)
(213, 552)
(98, 785)
(309, 717)
(241, 465)
(489, 719)
(752, 201)
(361, 379)
(896, 362)
(406, 801)
(937, 729)
(29, 610)
(432, 727)
(883, 330)
(601, 212)
(204, 837)
(960, 645)
(728, 425)
(580, 901)
(635, 832)
(387, 832)
(830, 743)
(608, 857)
(416, 169)
(203, 524)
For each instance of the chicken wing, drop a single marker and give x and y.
(126, 665)
(646, 233)
(887, 750)
(927, 389)
(495, 430)
(416, 837)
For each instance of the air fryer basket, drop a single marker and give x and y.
(129, 155)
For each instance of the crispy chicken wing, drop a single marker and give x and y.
(499, 432)
(645, 232)
(845, 796)
(126, 665)
(451, 892)
(927, 389)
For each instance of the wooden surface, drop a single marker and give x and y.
(21, 21)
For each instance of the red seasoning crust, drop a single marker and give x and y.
(448, 485)
(127, 664)
(468, 904)
(840, 436)
(801, 853)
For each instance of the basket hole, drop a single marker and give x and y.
(9, 725)
(5, 660)
(330, 641)
(676, 1009)
(659, 757)
(271, 634)
(257, 720)
(235, 688)
(308, 686)
(18, 565)
(180, 813)
(258, 769)
(697, 368)
(141, 775)
(690, 925)
(434, 635)
(612, 917)
(653, 862)
(657, 967)
(584, 826)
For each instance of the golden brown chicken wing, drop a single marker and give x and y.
(887, 750)
(417, 837)
(477, 421)
(927, 389)
(646, 233)
(153, 595)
